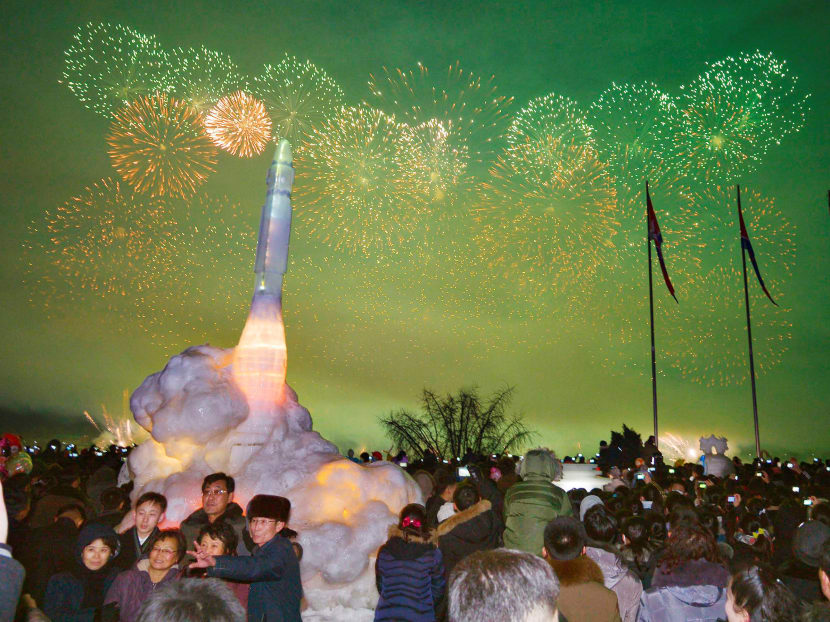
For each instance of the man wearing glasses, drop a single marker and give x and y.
(217, 504)
(273, 570)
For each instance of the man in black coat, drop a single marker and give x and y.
(272, 571)
(135, 541)
(474, 527)
(51, 549)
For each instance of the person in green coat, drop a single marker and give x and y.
(530, 504)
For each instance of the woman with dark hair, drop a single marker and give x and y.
(219, 538)
(755, 594)
(79, 594)
(132, 587)
(689, 582)
(638, 551)
(409, 571)
(657, 532)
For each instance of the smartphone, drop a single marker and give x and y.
(796, 489)
(730, 499)
(641, 476)
(671, 471)
(702, 485)
(808, 502)
(759, 474)
(463, 472)
(403, 465)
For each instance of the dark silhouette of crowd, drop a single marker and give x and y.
(496, 539)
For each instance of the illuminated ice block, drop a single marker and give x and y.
(260, 358)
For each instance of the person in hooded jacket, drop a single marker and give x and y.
(529, 505)
(601, 531)
(474, 527)
(690, 581)
(409, 572)
(78, 595)
(132, 587)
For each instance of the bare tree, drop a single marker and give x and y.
(453, 425)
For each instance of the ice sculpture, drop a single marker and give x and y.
(715, 461)
(212, 409)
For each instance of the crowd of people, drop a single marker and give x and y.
(496, 539)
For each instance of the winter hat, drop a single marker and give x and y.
(19, 463)
(587, 503)
(269, 506)
(93, 531)
(808, 542)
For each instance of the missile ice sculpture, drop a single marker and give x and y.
(260, 358)
(213, 409)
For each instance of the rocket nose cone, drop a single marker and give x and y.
(283, 153)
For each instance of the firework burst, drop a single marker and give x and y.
(239, 125)
(632, 132)
(108, 242)
(353, 188)
(733, 112)
(118, 430)
(720, 355)
(200, 77)
(108, 66)
(213, 237)
(298, 95)
(550, 119)
(547, 216)
(157, 147)
(464, 103)
(440, 166)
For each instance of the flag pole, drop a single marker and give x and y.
(749, 337)
(651, 325)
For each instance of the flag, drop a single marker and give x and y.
(746, 245)
(654, 234)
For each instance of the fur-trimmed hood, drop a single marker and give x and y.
(400, 548)
(460, 518)
(577, 571)
(395, 532)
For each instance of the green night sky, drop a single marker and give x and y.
(494, 280)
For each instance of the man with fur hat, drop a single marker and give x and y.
(474, 527)
(272, 570)
(582, 595)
